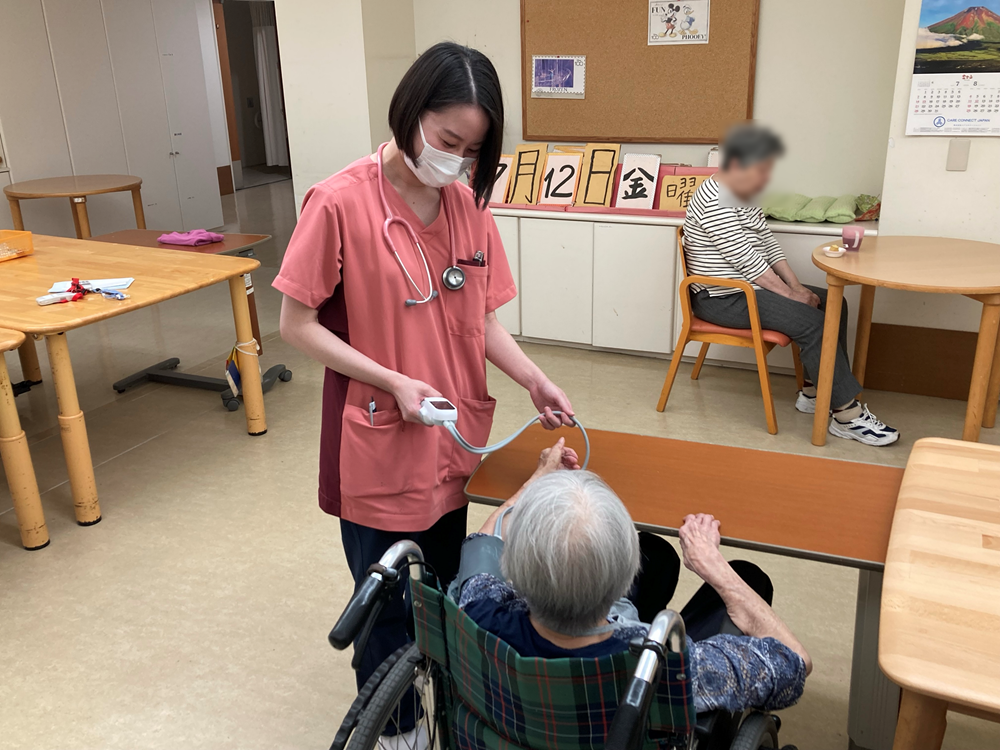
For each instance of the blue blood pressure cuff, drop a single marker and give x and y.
(480, 555)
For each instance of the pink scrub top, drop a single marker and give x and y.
(396, 475)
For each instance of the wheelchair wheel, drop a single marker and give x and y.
(758, 731)
(378, 725)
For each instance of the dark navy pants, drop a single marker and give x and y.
(363, 545)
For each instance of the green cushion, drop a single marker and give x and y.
(842, 210)
(770, 200)
(815, 210)
(787, 207)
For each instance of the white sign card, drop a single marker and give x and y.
(559, 179)
(502, 180)
(558, 76)
(637, 187)
(681, 22)
(956, 70)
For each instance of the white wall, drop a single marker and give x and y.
(824, 80)
(326, 97)
(921, 198)
(390, 48)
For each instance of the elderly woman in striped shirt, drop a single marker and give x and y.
(725, 235)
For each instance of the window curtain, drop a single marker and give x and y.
(269, 80)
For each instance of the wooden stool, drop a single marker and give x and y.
(16, 457)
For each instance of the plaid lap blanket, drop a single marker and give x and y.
(503, 701)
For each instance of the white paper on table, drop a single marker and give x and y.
(63, 286)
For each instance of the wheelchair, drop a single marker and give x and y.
(458, 687)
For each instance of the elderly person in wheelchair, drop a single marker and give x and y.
(554, 643)
(560, 571)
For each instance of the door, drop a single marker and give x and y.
(557, 273)
(192, 148)
(634, 287)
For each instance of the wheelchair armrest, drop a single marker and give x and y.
(717, 729)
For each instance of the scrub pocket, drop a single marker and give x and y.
(465, 308)
(475, 420)
(390, 458)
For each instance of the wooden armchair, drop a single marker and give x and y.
(759, 339)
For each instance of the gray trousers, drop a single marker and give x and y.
(797, 320)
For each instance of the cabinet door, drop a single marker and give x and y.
(139, 86)
(634, 287)
(187, 113)
(557, 279)
(509, 315)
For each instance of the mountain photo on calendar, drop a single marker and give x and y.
(958, 38)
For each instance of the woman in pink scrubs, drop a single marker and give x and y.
(382, 314)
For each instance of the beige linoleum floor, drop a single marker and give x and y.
(195, 614)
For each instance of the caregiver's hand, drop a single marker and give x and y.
(409, 393)
(548, 397)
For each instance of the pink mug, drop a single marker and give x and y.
(852, 236)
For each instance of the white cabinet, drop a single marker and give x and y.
(557, 276)
(634, 287)
(509, 315)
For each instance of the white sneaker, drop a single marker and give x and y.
(415, 739)
(867, 429)
(805, 404)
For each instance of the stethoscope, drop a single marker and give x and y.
(453, 277)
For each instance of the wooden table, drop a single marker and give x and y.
(917, 264)
(797, 506)
(159, 275)
(233, 244)
(76, 188)
(16, 457)
(940, 638)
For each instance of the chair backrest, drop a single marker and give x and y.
(680, 252)
(500, 699)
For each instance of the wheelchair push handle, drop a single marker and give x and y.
(628, 728)
(372, 594)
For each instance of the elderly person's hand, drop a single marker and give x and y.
(700, 541)
(557, 457)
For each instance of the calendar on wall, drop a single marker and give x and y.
(956, 70)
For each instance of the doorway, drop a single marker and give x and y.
(257, 100)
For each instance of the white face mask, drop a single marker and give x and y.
(437, 168)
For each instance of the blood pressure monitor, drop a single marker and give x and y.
(437, 411)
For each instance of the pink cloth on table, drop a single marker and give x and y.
(194, 237)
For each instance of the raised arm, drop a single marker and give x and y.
(700, 544)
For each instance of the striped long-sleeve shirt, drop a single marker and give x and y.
(725, 239)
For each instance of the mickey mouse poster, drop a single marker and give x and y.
(680, 22)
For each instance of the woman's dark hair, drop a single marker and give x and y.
(444, 75)
(748, 144)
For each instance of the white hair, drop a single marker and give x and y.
(571, 550)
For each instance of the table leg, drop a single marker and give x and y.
(140, 216)
(831, 332)
(874, 700)
(922, 721)
(983, 363)
(864, 332)
(30, 369)
(15, 214)
(20, 472)
(73, 431)
(993, 392)
(254, 322)
(253, 393)
(80, 218)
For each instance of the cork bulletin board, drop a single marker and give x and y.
(636, 92)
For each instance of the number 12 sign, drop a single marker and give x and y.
(560, 178)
